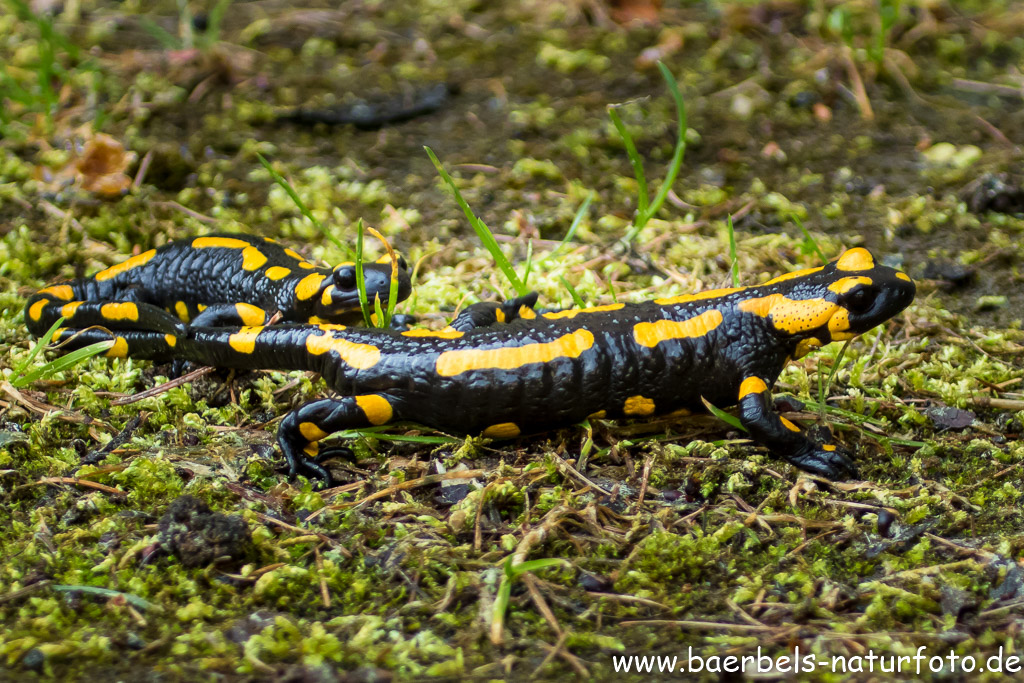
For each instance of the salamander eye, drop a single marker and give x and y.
(345, 277)
(861, 300)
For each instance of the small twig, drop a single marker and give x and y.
(166, 386)
(75, 481)
(140, 175)
(701, 625)
(21, 592)
(187, 211)
(324, 538)
(325, 595)
(540, 603)
(412, 484)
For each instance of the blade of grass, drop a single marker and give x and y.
(392, 282)
(529, 262)
(482, 231)
(287, 187)
(634, 159)
(734, 270)
(63, 363)
(40, 344)
(822, 393)
(725, 417)
(360, 282)
(674, 165)
(576, 300)
(577, 220)
(809, 242)
(677, 155)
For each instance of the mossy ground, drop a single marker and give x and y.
(675, 534)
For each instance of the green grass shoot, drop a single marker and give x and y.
(303, 209)
(809, 244)
(482, 231)
(384, 317)
(734, 267)
(577, 220)
(360, 282)
(576, 299)
(511, 574)
(22, 376)
(647, 208)
(725, 417)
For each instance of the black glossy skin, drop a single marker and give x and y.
(732, 355)
(196, 281)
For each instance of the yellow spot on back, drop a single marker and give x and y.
(791, 316)
(358, 356)
(527, 313)
(827, 447)
(573, 312)
(652, 334)
(446, 333)
(277, 272)
(307, 265)
(125, 266)
(294, 254)
(62, 292)
(68, 309)
(752, 385)
(794, 275)
(222, 242)
(699, 296)
(325, 298)
(805, 346)
(857, 258)
(35, 311)
(903, 276)
(499, 315)
(171, 340)
(244, 341)
(252, 258)
(451, 363)
(502, 430)
(638, 405)
(845, 284)
(599, 415)
(119, 349)
(839, 326)
(376, 408)
(181, 310)
(251, 315)
(308, 286)
(311, 432)
(121, 311)
(201, 307)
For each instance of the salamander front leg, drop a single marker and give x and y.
(487, 313)
(302, 429)
(785, 439)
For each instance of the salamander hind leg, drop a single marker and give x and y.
(785, 439)
(301, 430)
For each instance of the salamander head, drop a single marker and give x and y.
(339, 294)
(835, 302)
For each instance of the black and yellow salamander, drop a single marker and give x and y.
(616, 361)
(213, 281)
